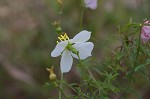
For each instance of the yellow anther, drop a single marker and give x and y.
(66, 36)
(63, 37)
(60, 38)
(57, 42)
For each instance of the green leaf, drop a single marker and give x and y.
(139, 67)
(148, 61)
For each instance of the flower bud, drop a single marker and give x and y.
(60, 6)
(59, 2)
(57, 27)
(52, 75)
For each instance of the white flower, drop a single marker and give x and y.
(92, 4)
(69, 48)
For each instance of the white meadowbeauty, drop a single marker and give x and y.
(78, 47)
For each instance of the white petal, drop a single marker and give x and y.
(83, 36)
(59, 48)
(66, 61)
(84, 49)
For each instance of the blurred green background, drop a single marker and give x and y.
(27, 38)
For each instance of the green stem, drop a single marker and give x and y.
(60, 91)
(90, 73)
(79, 56)
(83, 67)
(137, 53)
(91, 90)
(82, 14)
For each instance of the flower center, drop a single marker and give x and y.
(69, 45)
(63, 38)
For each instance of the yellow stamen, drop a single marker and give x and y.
(60, 38)
(63, 37)
(66, 36)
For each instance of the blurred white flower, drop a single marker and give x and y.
(69, 48)
(145, 32)
(92, 4)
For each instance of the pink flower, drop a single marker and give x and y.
(145, 32)
(92, 4)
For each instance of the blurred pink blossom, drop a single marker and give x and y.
(145, 32)
(92, 4)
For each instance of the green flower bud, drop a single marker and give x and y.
(59, 30)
